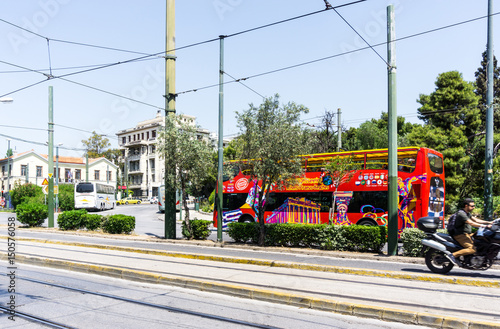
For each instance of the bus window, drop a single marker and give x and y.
(435, 163)
(85, 188)
(234, 200)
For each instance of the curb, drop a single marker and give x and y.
(359, 310)
(261, 262)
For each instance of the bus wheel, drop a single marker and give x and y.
(246, 219)
(367, 222)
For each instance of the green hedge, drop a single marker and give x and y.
(31, 214)
(200, 229)
(117, 224)
(411, 239)
(72, 220)
(323, 236)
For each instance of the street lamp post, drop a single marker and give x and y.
(8, 173)
(7, 100)
(57, 176)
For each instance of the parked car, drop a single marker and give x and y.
(153, 199)
(128, 200)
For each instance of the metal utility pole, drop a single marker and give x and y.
(393, 137)
(87, 167)
(57, 176)
(488, 163)
(8, 174)
(50, 196)
(339, 131)
(221, 140)
(170, 226)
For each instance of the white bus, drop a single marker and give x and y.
(94, 196)
(161, 199)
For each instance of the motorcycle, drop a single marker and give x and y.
(438, 245)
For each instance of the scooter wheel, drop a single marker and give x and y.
(437, 262)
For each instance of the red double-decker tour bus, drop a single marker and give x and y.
(361, 200)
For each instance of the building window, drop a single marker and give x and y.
(147, 135)
(109, 175)
(67, 175)
(153, 178)
(129, 138)
(96, 174)
(142, 135)
(23, 170)
(124, 140)
(3, 170)
(78, 174)
(39, 172)
(153, 134)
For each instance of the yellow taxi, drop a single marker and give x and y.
(128, 200)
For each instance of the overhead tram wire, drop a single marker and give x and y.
(239, 80)
(39, 143)
(171, 50)
(253, 76)
(383, 59)
(85, 131)
(341, 54)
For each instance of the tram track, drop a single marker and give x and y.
(214, 285)
(53, 324)
(276, 287)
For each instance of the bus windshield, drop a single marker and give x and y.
(85, 188)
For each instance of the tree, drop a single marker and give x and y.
(96, 145)
(481, 83)
(324, 138)
(272, 140)
(9, 153)
(452, 119)
(190, 156)
(453, 103)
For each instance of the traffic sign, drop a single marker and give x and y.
(45, 189)
(50, 175)
(45, 182)
(56, 189)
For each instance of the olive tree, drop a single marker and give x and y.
(272, 139)
(189, 155)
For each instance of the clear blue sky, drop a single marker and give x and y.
(356, 83)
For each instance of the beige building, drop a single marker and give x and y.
(34, 168)
(143, 164)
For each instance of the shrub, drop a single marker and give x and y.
(72, 220)
(22, 193)
(353, 238)
(365, 238)
(31, 214)
(66, 197)
(93, 221)
(117, 224)
(199, 229)
(243, 232)
(412, 241)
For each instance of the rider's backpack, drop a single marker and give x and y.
(451, 225)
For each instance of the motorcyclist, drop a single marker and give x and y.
(463, 226)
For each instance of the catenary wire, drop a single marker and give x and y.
(253, 76)
(175, 49)
(342, 54)
(352, 27)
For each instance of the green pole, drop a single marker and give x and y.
(86, 167)
(221, 140)
(51, 159)
(393, 137)
(488, 165)
(170, 207)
